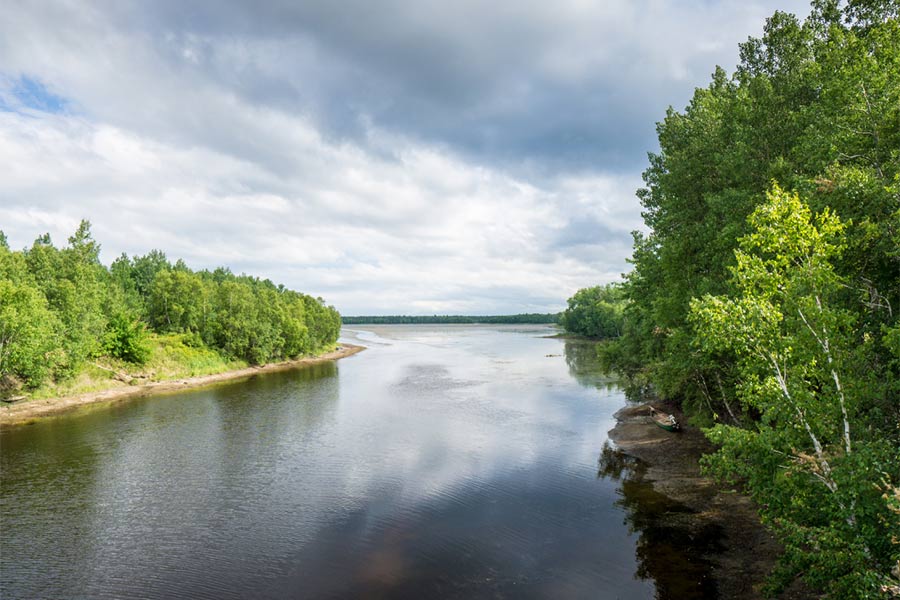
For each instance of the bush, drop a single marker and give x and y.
(126, 339)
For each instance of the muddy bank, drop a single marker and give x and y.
(29, 411)
(685, 520)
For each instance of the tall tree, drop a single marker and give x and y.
(810, 461)
(28, 329)
(595, 312)
(788, 346)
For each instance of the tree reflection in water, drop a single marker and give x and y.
(673, 547)
(585, 367)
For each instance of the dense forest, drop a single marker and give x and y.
(765, 299)
(534, 318)
(61, 309)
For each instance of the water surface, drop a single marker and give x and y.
(445, 461)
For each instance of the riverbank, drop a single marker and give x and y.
(564, 335)
(743, 552)
(29, 411)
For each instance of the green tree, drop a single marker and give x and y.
(81, 280)
(236, 316)
(293, 325)
(126, 338)
(178, 301)
(123, 284)
(813, 104)
(72, 281)
(144, 270)
(322, 322)
(62, 307)
(27, 327)
(595, 312)
(810, 461)
(27, 335)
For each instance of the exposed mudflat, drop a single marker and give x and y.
(722, 525)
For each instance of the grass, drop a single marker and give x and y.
(172, 356)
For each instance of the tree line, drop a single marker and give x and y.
(61, 307)
(527, 318)
(765, 300)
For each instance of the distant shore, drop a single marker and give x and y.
(29, 411)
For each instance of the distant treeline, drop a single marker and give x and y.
(60, 308)
(530, 318)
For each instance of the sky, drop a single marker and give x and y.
(392, 157)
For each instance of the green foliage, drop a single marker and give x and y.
(126, 339)
(595, 312)
(178, 301)
(809, 460)
(815, 105)
(62, 308)
(26, 333)
(28, 329)
(767, 316)
(145, 268)
(71, 280)
(180, 355)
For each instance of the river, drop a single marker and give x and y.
(444, 461)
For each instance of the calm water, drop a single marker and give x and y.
(455, 461)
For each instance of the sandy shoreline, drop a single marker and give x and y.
(28, 412)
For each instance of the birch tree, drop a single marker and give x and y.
(809, 460)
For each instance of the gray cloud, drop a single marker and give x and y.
(393, 156)
(557, 86)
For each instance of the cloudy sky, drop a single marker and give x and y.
(398, 156)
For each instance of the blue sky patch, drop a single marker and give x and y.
(26, 93)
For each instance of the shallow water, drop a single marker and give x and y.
(444, 461)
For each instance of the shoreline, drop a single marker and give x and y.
(32, 410)
(744, 552)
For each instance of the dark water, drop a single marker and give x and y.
(442, 462)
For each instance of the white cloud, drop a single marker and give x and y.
(441, 158)
(419, 232)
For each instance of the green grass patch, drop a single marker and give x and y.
(172, 356)
(175, 355)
